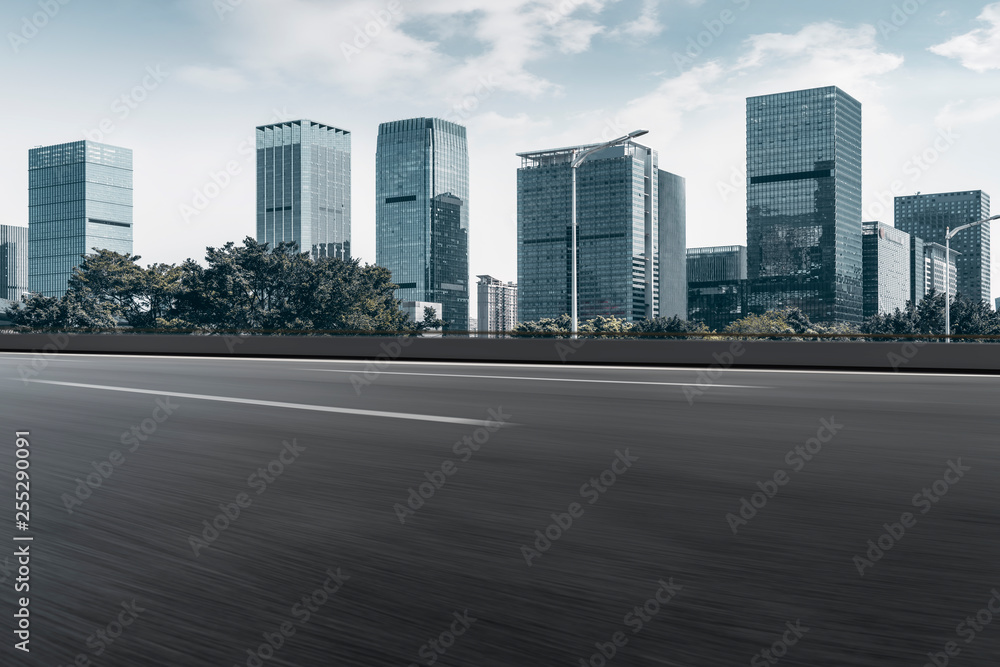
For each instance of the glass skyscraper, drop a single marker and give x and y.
(422, 213)
(13, 262)
(626, 207)
(804, 204)
(79, 200)
(304, 187)
(887, 270)
(717, 285)
(918, 277)
(929, 216)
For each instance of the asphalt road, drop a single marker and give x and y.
(132, 461)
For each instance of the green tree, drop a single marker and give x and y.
(431, 321)
(670, 325)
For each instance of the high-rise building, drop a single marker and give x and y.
(929, 217)
(886, 252)
(422, 213)
(627, 208)
(717, 279)
(934, 268)
(918, 270)
(672, 212)
(804, 204)
(79, 201)
(13, 262)
(497, 305)
(304, 187)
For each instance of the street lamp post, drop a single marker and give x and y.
(948, 236)
(578, 159)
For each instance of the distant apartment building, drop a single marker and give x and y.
(79, 201)
(717, 279)
(497, 306)
(630, 238)
(422, 213)
(804, 204)
(13, 262)
(929, 217)
(304, 187)
(935, 267)
(886, 253)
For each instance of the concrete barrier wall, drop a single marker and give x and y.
(900, 357)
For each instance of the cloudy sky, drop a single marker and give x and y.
(184, 82)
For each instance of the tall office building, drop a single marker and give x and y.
(13, 262)
(627, 208)
(717, 285)
(497, 305)
(929, 216)
(934, 269)
(918, 271)
(422, 213)
(804, 204)
(886, 252)
(672, 211)
(79, 200)
(304, 187)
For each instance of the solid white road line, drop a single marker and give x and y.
(534, 379)
(277, 404)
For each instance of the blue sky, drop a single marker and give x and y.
(184, 82)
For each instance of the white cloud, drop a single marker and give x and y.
(374, 52)
(978, 50)
(645, 27)
(961, 113)
(224, 79)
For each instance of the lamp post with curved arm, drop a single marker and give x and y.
(948, 236)
(578, 159)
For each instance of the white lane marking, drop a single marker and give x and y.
(12, 356)
(277, 404)
(535, 379)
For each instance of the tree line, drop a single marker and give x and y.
(251, 288)
(247, 288)
(969, 317)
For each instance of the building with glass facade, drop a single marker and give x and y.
(929, 216)
(13, 262)
(422, 213)
(804, 204)
(886, 253)
(717, 279)
(496, 305)
(918, 271)
(626, 208)
(79, 201)
(304, 187)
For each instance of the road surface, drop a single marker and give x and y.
(189, 511)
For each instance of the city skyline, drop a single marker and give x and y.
(528, 75)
